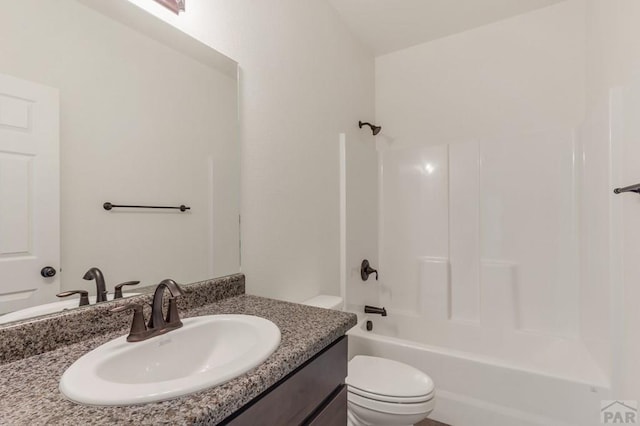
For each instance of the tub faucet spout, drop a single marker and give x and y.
(373, 310)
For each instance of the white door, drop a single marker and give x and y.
(29, 193)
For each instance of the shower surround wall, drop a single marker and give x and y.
(483, 229)
(613, 108)
(490, 232)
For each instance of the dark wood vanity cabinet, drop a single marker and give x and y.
(313, 394)
(334, 412)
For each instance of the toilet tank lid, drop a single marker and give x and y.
(325, 301)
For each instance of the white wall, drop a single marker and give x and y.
(304, 80)
(519, 75)
(140, 124)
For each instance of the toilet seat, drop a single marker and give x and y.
(387, 380)
(391, 399)
(391, 407)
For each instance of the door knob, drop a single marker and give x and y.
(48, 272)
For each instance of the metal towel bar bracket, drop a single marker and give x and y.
(108, 206)
(633, 188)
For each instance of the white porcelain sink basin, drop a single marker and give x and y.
(205, 352)
(50, 308)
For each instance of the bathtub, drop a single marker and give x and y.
(522, 383)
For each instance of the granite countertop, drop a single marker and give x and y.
(29, 393)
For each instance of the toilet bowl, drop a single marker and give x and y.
(385, 392)
(380, 391)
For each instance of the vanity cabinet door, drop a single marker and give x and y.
(297, 397)
(334, 413)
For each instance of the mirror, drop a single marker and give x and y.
(120, 115)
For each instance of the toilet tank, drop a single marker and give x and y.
(325, 301)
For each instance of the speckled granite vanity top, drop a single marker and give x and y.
(29, 392)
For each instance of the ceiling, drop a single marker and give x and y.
(390, 25)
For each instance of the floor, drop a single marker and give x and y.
(430, 423)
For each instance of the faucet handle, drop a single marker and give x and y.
(118, 288)
(138, 328)
(84, 296)
(366, 270)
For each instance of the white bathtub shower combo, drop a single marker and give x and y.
(507, 265)
(482, 271)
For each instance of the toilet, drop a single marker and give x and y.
(380, 391)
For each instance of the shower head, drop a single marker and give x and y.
(374, 129)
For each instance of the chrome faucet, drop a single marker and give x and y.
(101, 288)
(158, 323)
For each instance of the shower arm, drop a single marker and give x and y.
(374, 129)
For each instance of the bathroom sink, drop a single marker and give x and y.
(50, 308)
(205, 352)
